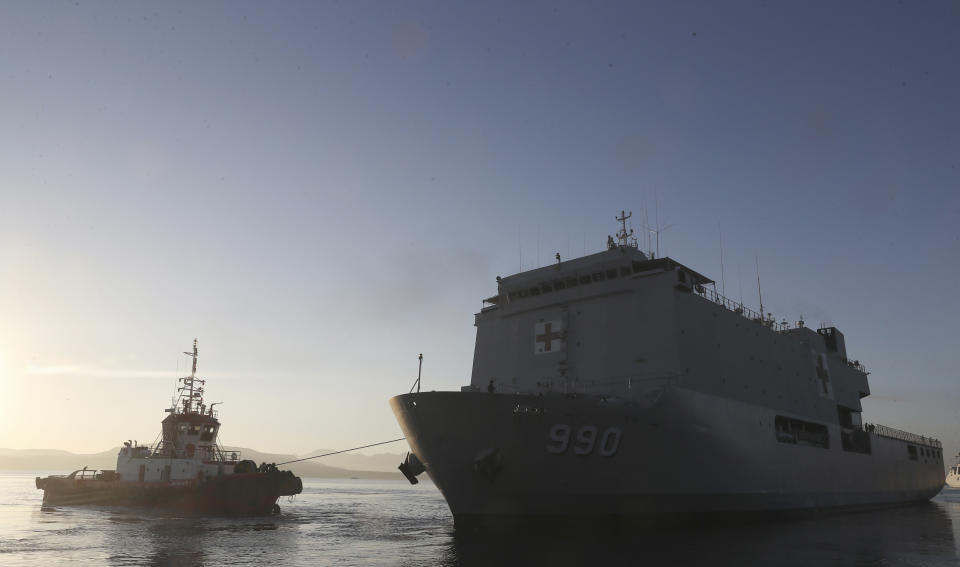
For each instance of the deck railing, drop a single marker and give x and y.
(856, 365)
(884, 431)
(214, 454)
(738, 307)
(229, 455)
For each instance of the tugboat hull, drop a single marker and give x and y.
(252, 494)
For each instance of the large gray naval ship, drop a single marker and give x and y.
(623, 385)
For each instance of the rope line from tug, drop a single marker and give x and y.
(343, 451)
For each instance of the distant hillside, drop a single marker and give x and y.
(4, 452)
(385, 462)
(57, 460)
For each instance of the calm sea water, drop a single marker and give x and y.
(358, 522)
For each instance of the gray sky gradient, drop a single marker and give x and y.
(319, 191)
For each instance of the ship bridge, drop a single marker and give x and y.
(620, 262)
(190, 431)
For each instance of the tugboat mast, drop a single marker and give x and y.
(189, 390)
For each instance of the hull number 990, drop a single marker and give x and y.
(587, 440)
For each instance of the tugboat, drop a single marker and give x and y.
(187, 471)
(953, 477)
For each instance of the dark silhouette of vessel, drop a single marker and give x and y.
(620, 384)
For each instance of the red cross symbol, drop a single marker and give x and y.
(823, 375)
(548, 336)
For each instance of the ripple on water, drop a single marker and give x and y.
(353, 522)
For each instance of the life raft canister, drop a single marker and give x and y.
(190, 449)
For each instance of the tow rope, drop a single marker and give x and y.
(343, 451)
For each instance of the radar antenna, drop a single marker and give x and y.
(756, 259)
(654, 245)
(723, 278)
(624, 236)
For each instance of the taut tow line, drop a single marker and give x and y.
(343, 451)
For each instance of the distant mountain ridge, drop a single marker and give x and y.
(384, 462)
(15, 452)
(382, 466)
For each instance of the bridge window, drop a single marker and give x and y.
(207, 433)
(912, 452)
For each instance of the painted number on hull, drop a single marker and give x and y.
(586, 441)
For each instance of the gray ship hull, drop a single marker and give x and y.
(676, 452)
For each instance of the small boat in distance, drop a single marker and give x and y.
(187, 470)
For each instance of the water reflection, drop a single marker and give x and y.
(369, 524)
(139, 538)
(949, 502)
(920, 534)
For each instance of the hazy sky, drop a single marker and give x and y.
(320, 191)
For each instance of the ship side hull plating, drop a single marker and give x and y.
(685, 453)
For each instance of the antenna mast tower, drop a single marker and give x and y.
(192, 386)
(625, 236)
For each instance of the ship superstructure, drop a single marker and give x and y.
(623, 384)
(188, 446)
(186, 469)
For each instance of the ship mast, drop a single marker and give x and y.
(192, 388)
(624, 236)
